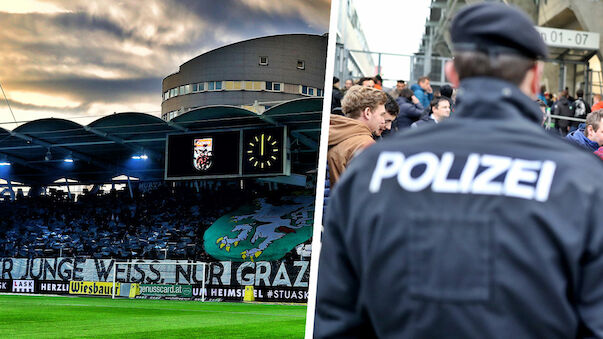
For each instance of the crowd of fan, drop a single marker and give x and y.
(357, 120)
(116, 225)
(365, 112)
(411, 107)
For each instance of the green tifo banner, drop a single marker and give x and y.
(185, 291)
(266, 230)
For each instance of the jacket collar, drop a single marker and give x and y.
(491, 98)
(578, 137)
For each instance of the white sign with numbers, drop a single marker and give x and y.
(556, 37)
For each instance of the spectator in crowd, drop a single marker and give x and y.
(543, 108)
(391, 112)
(348, 83)
(364, 109)
(440, 110)
(541, 94)
(410, 109)
(581, 108)
(395, 93)
(422, 90)
(599, 153)
(550, 99)
(597, 102)
(366, 82)
(336, 95)
(448, 92)
(482, 226)
(378, 82)
(589, 135)
(563, 107)
(114, 224)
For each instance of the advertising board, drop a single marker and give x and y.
(92, 288)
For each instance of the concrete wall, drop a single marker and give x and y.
(350, 34)
(585, 15)
(581, 15)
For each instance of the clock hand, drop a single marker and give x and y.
(262, 145)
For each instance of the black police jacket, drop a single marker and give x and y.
(482, 226)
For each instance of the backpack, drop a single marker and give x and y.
(581, 108)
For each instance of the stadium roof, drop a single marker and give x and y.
(104, 148)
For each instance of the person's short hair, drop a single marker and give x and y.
(436, 101)
(391, 106)
(593, 119)
(446, 91)
(335, 80)
(407, 93)
(378, 78)
(401, 81)
(363, 79)
(509, 67)
(357, 98)
(422, 79)
(580, 93)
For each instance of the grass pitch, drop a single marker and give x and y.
(70, 317)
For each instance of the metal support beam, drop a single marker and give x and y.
(177, 126)
(588, 56)
(80, 156)
(269, 120)
(437, 5)
(75, 144)
(562, 55)
(562, 75)
(130, 188)
(428, 53)
(305, 140)
(22, 162)
(121, 141)
(68, 190)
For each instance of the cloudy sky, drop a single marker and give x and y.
(404, 22)
(82, 59)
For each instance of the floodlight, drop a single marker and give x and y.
(142, 156)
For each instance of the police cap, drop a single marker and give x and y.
(495, 28)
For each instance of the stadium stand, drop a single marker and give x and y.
(114, 225)
(167, 221)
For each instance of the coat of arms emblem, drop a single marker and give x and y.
(202, 154)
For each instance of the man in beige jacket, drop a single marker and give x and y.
(364, 109)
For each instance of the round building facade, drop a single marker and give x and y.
(255, 74)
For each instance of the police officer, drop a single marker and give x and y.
(483, 226)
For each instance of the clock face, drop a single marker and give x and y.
(262, 150)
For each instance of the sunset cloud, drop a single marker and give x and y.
(72, 58)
